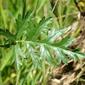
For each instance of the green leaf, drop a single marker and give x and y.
(7, 34)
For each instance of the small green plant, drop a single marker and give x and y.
(31, 48)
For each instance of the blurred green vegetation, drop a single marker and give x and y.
(29, 39)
